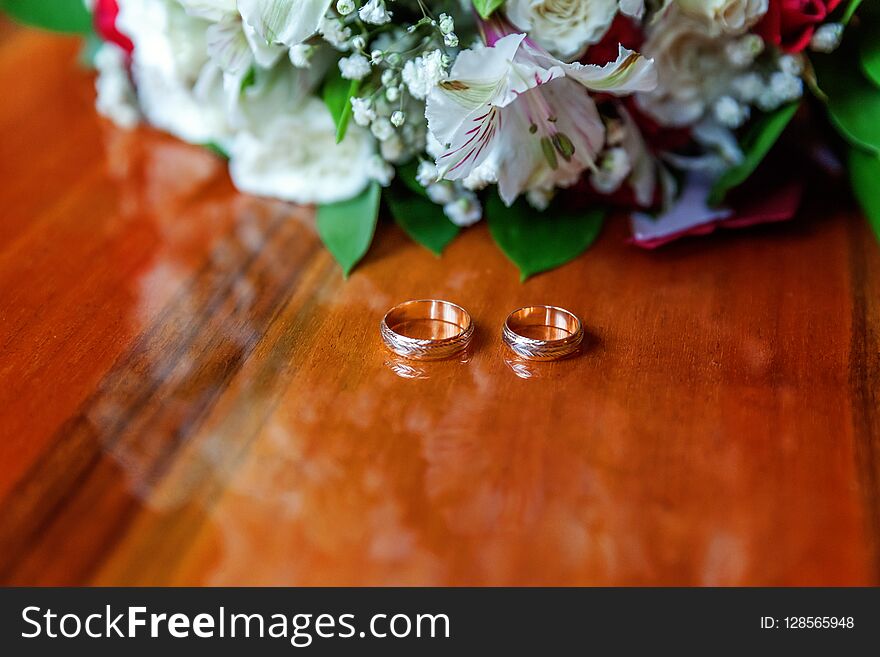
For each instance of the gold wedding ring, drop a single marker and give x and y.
(427, 329)
(542, 332)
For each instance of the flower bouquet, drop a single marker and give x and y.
(541, 116)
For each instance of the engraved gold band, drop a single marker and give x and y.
(427, 329)
(521, 327)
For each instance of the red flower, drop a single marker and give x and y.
(789, 24)
(105, 14)
(622, 31)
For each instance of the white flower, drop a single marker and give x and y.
(345, 7)
(742, 51)
(719, 149)
(213, 10)
(301, 55)
(445, 24)
(392, 146)
(464, 210)
(374, 12)
(791, 64)
(481, 177)
(781, 88)
(232, 44)
(645, 168)
(613, 170)
(426, 173)
(692, 67)
(179, 89)
(382, 129)
(441, 193)
(116, 97)
(564, 27)
(526, 112)
(731, 16)
(539, 198)
(729, 113)
(335, 32)
(423, 73)
(287, 22)
(450, 40)
(827, 37)
(355, 67)
(397, 118)
(747, 87)
(271, 158)
(362, 111)
(379, 170)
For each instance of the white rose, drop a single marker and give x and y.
(732, 16)
(178, 88)
(293, 155)
(564, 27)
(692, 68)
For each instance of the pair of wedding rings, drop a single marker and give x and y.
(432, 329)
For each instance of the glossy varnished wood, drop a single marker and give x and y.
(190, 393)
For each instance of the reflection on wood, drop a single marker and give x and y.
(192, 394)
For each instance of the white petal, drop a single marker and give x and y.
(265, 54)
(228, 47)
(629, 73)
(471, 144)
(687, 213)
(517, 158)
(643, 178)
(634, 8)
(564, 27)
(213, 10)
(284, 21)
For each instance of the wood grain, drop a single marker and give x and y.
(190, 393)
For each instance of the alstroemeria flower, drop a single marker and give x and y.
(526, 115)
(286, 22)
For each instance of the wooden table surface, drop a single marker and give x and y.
(190, 393)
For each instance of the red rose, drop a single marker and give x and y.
(105, 14)
(621, 32)
(789, 24)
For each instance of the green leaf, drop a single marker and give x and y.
(347, 227)
(421, 219)
(406, 173)
(58, 15)
(853, 102)
(869, 53)
(486, 7)
(91, 44)
(537, 241)
(756, 144)
(864, 175)
(216, 149)
(337, 93)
